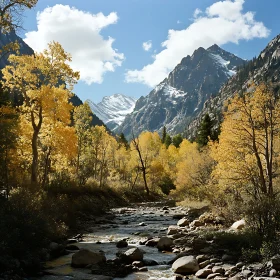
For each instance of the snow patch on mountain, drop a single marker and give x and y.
(113, 109)
(223, 63)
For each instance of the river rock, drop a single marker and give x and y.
(183, 222)
(86, 257)
(172, 230)
(122, 244)
(72, 247)
(213, 275)
(149, 262)
(238, 225)
(196, 223)
(152, 242)
(165, 243)
(134, 254)
(185, 265)
(202, 273)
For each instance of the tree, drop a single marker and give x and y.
(11, 13)
(177, 140)
(164, 133)
(40, 78)
(147, 147)
(122, 140)
(205, 131)
(248, 151)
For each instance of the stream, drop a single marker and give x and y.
(135, 224)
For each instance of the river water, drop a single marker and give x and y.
(128, 224)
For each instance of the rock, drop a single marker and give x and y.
(85, 257)
(143, 269)
(238, 225)
(172, 230)
(218, 269)
(246, 273)
(72, 247)
(227, 258)
(138, 264)
(165, 208)
(134, 254)
(204, 264)
(122, 244)
(239, 265)
(196, 223)
(272, 273)
(149, 262)
(165, 243)
(213, 275)
(142, 224)
(201, 258)
(275, 262)
(202, 273)
(185, 265)
(178, 216)
(56, 250)
(183, 222)
(152, 242)
(180, 255)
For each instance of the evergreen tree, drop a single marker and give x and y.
(163, 135)
(205, 131)
(123, 140)
(177, 140)
(168, 140)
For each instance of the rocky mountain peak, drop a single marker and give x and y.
(113, 109)
(180, 97)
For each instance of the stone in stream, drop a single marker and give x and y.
(185, 265)
(165, 243)
(172, 230)
(131, 255)
(86, 257)
(202, 273)
(183, 222)
(122, 244)
(149, 262)
(72, 247)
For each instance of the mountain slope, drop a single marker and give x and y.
(113, 109)
(180, 97)
(266, 68)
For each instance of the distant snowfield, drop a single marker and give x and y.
(113, 108)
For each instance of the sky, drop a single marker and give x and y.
(129, 46)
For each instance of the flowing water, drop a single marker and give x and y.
(125, 225)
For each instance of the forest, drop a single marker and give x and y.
(56, 168)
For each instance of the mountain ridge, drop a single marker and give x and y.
(181, 95)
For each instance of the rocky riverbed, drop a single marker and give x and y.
(152, 241)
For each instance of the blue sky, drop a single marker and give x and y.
(106, 37)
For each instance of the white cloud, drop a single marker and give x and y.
(196, 13)
(79, 34)
(221, 23)
(147, 45)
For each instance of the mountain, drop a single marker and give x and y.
(180, 97)
(113, 109)
(12, 37)
(264, 68)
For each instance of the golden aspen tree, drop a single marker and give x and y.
(35, 77)
(248, 151)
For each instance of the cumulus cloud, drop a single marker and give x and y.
(147, 45)
(221, 23)
(196, 13)
(79, 34)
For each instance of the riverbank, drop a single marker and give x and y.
(199, 241)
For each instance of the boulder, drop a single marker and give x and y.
(152, 242)
(149, 262)
(196, 223)
(183, 222)
(218, 269)
(185, 265)
(213, 275)
(122, 244)
(86, 257)
(134, 254)
(165, 243)
(172, 230)
(238, 225)
(202, 273)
